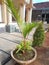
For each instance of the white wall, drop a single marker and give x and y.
(0, 14)
(28, 1)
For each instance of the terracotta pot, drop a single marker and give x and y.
(24, 62)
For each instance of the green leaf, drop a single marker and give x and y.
(27, 27)
(39, 35)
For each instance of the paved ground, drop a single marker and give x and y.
(43, 56)
(9, 40)
(46, 43)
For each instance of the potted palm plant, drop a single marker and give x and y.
(24, 53)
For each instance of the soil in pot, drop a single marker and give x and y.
(24, 57)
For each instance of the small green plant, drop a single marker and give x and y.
(21, 47)
(24, 27)
(38, 36)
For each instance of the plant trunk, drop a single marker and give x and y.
(24, 46)
(24, 42)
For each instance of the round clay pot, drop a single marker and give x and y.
(24, 62)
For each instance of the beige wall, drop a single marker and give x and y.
(24, 7)
(7, 17)
(4, 13)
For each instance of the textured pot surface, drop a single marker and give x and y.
(24, 62)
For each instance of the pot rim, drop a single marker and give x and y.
(25, 62)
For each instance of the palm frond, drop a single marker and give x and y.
(27, 27)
